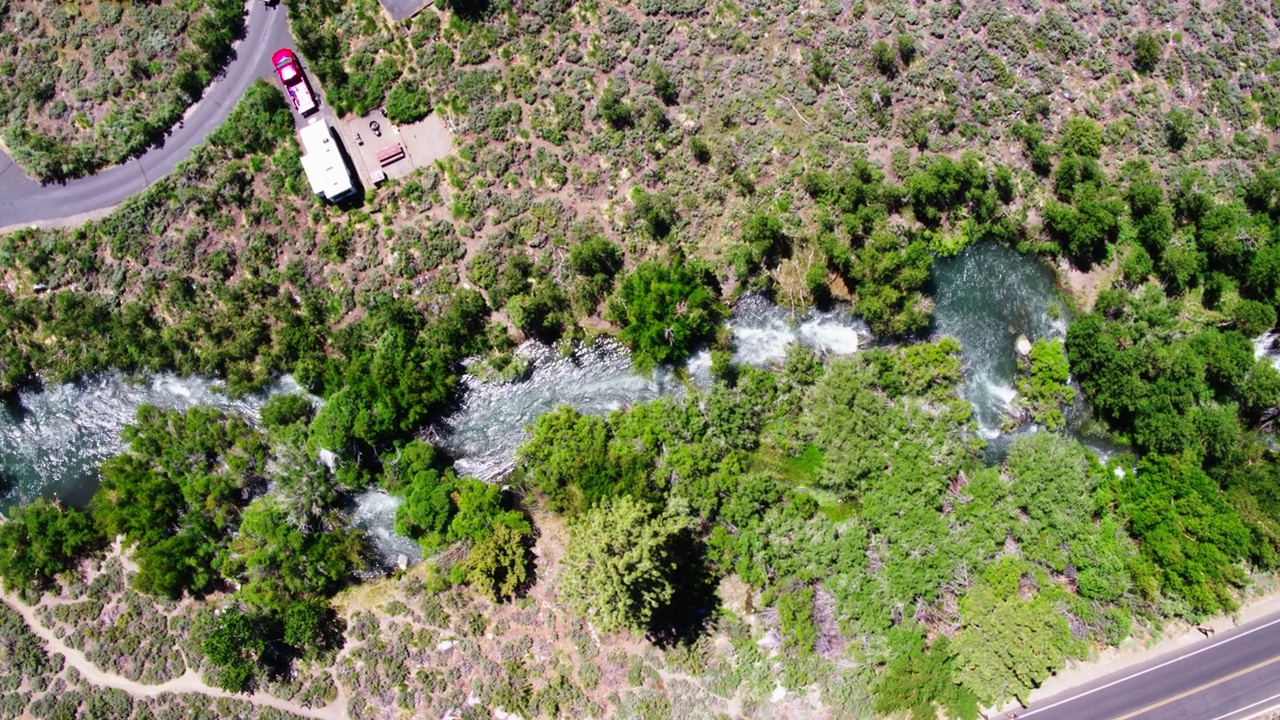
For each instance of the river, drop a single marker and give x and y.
(482, 437)
(986, 297)
(51, 441)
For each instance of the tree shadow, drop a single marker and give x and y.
(7, 484)
(692, 610)
(470, 10)
(11, 402)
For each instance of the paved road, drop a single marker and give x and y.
(1233, 677)
(23, 200)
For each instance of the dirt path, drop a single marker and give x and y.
(189, 682)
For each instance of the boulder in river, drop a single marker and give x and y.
(1022, 345)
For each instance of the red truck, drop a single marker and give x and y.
(295, 83)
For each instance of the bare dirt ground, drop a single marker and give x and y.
(1083, 287)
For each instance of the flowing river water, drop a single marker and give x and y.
(986, 297)
(52, 441)
(482, 436)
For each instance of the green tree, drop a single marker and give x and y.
(1253, 318)
(1052, 477)
(276, 563)
(1082, 136)
(1045, 392)
(795, 617)
(567, 458)
(614, 109)
(619, 569)
(39, 541)
(595, 256)
(285, 410)
(763, 242)
(663, 86)
(665, 310)
(178, 563)
(1087, 228)
(498, 565)
(883, 58)
(480, 510)
(543, 312)
(407, 103)
(919, 680)
(234, 646)
(1178, 128)
(906, 49)
(1146, 52)
(311, 627)
(656, 212)
(428, 507)
(177, 493)
(1191, 539)
(1007, 646)
(399, 366)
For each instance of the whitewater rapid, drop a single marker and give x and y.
(483, 435)
(53, 440)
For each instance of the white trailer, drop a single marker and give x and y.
(324, 164)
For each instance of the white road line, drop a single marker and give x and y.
(1140, 673)
(1260, 713)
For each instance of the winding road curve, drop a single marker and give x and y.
(24, 201)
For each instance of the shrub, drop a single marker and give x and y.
(1082, 136)
(407, 104)
(1253, 318)
(614, 109)
(700, 150)
(41, 540)
(906, 49)
(1178, 128)
(1146, 52)
(663, 86)
(883, 58)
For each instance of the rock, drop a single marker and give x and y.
(770, 640)
(1023, 345)
(402, 561)
(444, 646)
(328, 459)
(778, 694)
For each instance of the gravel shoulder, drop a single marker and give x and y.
(1177, 636)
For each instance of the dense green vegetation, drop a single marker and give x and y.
(85, 86)
(41, 540)
(861, 484)
(665, 310)
(245, 332)
(633, 169)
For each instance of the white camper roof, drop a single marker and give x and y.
(322, 161)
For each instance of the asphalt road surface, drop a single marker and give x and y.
(1234, 676)
(24, 200)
